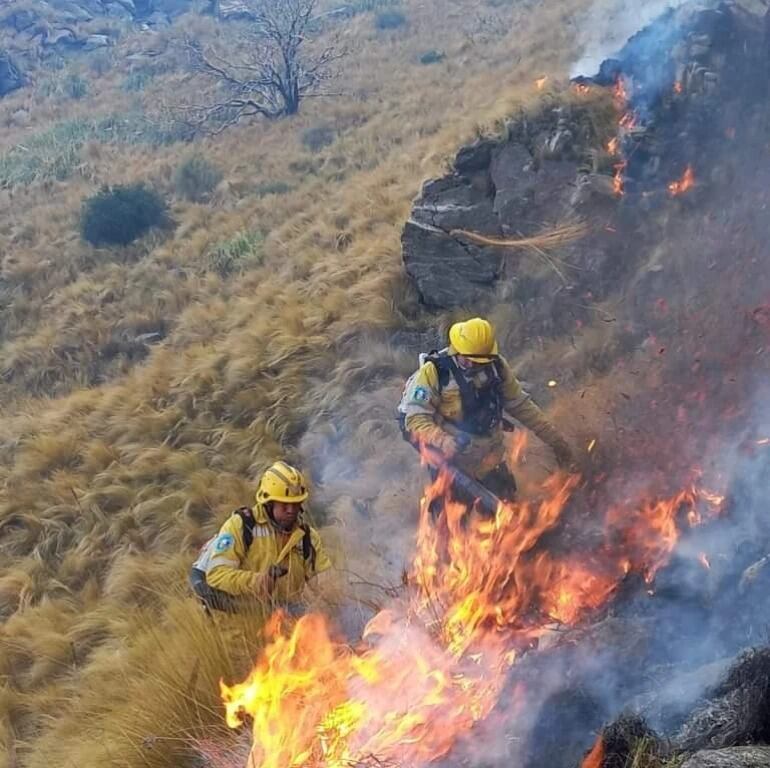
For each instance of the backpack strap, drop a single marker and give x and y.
(308, 550)
(247, 518)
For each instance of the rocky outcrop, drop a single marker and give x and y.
(10, 76)
(499, 188)
(737, 757)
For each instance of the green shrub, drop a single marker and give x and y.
(315, 139)
(196, 178)
(272, 188)
(240, 252)
(389, 20)
(55, 152)
(432, 57)
(74, 86)
(119, 215)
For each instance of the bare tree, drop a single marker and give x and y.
(278, 65)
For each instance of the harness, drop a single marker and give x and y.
(249, 523)
(482, 406)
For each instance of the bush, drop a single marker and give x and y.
(241, 251)
(389, 20)
(196, 178)
(119, 215)
(432, 57)
(315, 139)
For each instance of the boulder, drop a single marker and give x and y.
(171, 7)
(20, 20)
(93, 42)
(735, 757)
(515, 181)
(447, 272)
(10, 76)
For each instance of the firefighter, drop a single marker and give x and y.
(266, 552)
(456, 401)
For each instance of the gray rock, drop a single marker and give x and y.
(734, 757)
(128, 5)
(455, 203)
(447, 272)
(93, 42)
(20, 20)
(172, 7)
(62, 39)
(515, 180)
(10, 76)
(474, 157)
(158, 19)
(73, 13)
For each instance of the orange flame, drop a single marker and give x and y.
(434, 663)
(613, 145)
(686, 183)
(540, 82)
(618, 183)
(595, 758)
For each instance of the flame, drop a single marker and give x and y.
(686, 183)
(678, 87)
(517, 447)
(595, 758)
(591, 445)
(618, 182)
(613, 146)
(582, 89)
(481, 592)
(540, 82)
(704, 561)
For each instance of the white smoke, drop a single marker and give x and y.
(608, 26)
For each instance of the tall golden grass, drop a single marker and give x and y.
(113, 470)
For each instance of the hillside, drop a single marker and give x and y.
(118, 460)
(144, 388)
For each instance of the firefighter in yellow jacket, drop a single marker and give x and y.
(267, 552)
(456, 401)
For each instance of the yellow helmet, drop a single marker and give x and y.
(282, 482)
(474, 339)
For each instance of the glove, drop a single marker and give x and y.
(564, 456)
(262, 584)
(451, 445)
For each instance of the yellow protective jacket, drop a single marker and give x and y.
(230, 568)
(432, 413)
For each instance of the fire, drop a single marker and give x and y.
(678, 87)
(582, 89)
(686, 183)
(613, 145)
(482, 590)
(618, 183)
(540, 82)
(595, 758)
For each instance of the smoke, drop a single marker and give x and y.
(609, 25)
